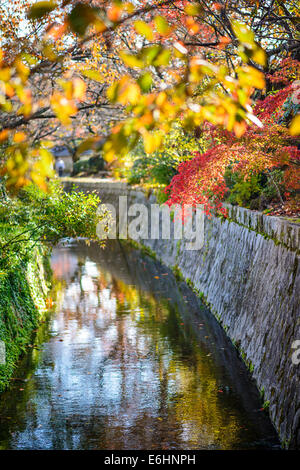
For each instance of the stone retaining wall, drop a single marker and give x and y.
(249, 273)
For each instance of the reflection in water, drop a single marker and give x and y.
(129, 360)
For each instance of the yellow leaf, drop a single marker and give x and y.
(295, 126)
(39, 180)
(22, 69)
(249, 76)
(259, 56)
(124, 91)
(132, 94)
(48, 51)
(143, 29)
(24, 94)
(193, 9)
(93, 75)
(242, 32)
(63, 108)
(162, 26)
(79, 89)
(99, 25)
(151, 141)
(5, 74)
(85, 145)
(131, 60)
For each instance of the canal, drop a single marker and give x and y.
(129, 358)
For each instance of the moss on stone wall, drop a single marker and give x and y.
(22, 303)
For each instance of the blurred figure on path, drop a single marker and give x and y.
(60, 166)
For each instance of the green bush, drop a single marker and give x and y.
(90, 166)
(21, 304)
(38, 216)
(255, 191)
(243, 190)
(160, 166)
(152, 169)
(274, 182)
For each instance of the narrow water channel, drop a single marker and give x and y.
(129, 359)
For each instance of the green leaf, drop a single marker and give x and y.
(112, 92)
(145, 82)
(40, 9)
(150, 53)
(163, 58)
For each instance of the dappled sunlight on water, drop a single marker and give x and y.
(130, 359)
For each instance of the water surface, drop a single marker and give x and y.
(130, 359)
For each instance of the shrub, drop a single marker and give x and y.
(161, 166)
(90, 166)
(35, 215)
(242, 190)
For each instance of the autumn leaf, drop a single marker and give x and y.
(143, 29)
(295, 126)
(193, 9)
(19, 137)
(63, 108)
(4, 135)
(79, 89)
(93, 75)
(131, 60)
(152, 141)
(145, 81)
(249, 76)
(162, 26)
